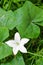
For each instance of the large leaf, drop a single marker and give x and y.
(25, 15)
(18, 60)
(4, 33)
(4, 50)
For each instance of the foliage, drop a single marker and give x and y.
(26, 17)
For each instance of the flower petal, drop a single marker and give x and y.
(23, 49)
(24, 41)
(15, 50)
(17, 37)
(10, 43)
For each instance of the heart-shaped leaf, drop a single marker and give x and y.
(25, 16)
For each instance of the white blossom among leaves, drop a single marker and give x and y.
(18, 44)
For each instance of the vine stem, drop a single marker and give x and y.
(35, 54)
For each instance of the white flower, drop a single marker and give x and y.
(18, 44)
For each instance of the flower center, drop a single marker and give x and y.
(17, 43)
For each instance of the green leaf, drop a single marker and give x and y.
(8, 20)
(4, 33)
(39, 61)
(4, 50)
(18, 60)
(25, 16)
